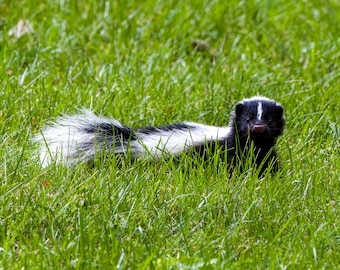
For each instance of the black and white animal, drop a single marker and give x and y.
(255, 124)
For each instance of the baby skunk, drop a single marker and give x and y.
(255, 124)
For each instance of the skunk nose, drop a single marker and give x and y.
(259, 128)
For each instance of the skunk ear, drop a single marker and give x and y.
(279, 109)
(239, 108)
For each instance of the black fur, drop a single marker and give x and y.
(255, 124)
(260, 135)
(243, 138)
(250, 134)
(171, 127)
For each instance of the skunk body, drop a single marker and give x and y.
(254, 124)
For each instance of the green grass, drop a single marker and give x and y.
(134, 60)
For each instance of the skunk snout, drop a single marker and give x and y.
(258, 127)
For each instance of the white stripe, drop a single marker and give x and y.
(174, 142)
(259, 111)
(257, 98)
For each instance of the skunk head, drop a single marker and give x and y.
(260, 119)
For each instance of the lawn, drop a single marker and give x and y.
(157, 62)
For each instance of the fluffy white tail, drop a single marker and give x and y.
(73, 139)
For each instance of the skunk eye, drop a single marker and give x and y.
(250, 117)
(269, 120)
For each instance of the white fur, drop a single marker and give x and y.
(259, 111)
(176, 141)
(259, 98)
(59, 142)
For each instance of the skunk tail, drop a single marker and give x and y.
(74, 139)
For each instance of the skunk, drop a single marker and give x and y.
(255, 124)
